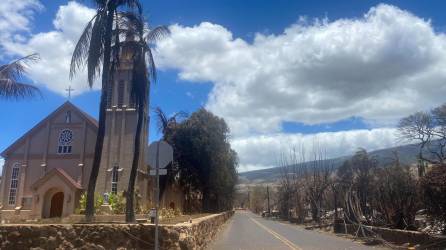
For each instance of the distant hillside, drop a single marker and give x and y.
(407, 155)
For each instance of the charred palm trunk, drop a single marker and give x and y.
(129, 207)
(205, 201)
(314, 211)
(89, 209)
(335, 201)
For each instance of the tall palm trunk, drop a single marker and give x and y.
(129, 209)
(89, 210)
(139, 94)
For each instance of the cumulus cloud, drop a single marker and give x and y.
(16, 17)
(381, 66)
(263, 151)
(54, 47)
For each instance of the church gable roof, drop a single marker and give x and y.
(59, 172)
(67, 105)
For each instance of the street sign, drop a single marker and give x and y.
(161, 171)
(165, 154)
(158, 155)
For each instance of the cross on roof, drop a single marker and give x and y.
(69, 91)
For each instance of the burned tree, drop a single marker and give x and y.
(428, 130)
(317, 178)
(396, 196)
(286, 188)
(356, 176)
(304, 184)
(433, 186)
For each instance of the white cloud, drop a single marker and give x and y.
(263, 151)
(380, 67)
(55, 48)
(16, 17)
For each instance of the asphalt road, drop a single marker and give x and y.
(247, 231)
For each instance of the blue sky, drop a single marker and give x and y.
(280, 72)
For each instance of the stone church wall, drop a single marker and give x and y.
(195, 235)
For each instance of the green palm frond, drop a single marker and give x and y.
(17, 90)
(81, 49)
(131, 24)
(153, 36)
(10, 87)
(17, 68)
(162, 120)
(96, 48)
(151, 67)
(140, 82)
(156, 34)
(132, 4)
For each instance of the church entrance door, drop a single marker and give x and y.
(56, 205)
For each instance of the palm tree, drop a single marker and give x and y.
(94, 49)
(139, 39)
(165, 123)
(10, 73)
(167, 126)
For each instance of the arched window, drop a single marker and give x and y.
(65, 139)
(68, 117)
(14, 184)
(114, 180)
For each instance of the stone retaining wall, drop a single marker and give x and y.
(102, 218)
(195, 235)
(392, 235)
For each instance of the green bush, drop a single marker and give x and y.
(177, 212)
(168, 213)
(117, 202)
(82, 203)
(99, 201)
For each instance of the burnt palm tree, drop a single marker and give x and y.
(10, 75)
(139, 39)
(167, 126)
(165, 123)
(99, 46)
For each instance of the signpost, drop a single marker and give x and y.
(159, 154)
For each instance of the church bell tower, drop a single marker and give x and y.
(120, 130)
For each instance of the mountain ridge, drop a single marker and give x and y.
(407, 155)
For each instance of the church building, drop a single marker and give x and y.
(48, 168)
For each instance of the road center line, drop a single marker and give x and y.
(278, 236)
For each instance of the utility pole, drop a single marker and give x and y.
(249, 200)
(157, 194)
(267, 193)
(158, 154)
